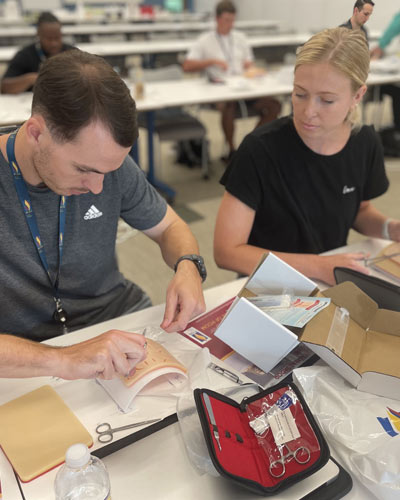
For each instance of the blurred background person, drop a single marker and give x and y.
(23, 69)
(392, 90)
(362, 11)
(225, 52)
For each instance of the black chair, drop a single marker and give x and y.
(175, 124)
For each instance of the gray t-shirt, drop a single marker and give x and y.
(91, 287)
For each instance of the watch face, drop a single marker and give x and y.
(198, 260)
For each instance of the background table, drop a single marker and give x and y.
(85, 30)
(159, 46)
(189, 91)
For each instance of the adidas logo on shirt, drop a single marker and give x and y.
(92, 213)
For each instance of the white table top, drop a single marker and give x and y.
(158, 95)
(157, 466)
(165, 46)
(131, 28)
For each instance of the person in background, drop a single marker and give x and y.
(392, 90)
(66, 178)
(362, 11)
(297, 186)
(225, 52)
(22, 71)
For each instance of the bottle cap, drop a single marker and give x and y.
(77, 456)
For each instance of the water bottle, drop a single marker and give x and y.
(82, 477)
(139, 83)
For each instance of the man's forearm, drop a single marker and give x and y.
(177, 240)
(24, 358)
(191, 65)
(106, 355)
(173, 236)
(17, 84)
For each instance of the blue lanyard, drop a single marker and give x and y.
(228, 52)
(40, 52)
(25, 200)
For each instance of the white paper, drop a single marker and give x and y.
(283, 426)
(262, 341)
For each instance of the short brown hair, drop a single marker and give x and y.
(74, 89)
(360, 4)
(46, 17)
(225, 6)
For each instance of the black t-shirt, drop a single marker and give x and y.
(28, 60)
(304, 202)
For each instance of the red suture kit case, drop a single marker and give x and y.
(267, 442)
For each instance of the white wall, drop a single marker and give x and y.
(304, 15)
(204, 5)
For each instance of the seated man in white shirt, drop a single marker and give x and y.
(225, 52)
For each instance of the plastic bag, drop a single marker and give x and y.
(275, 426)
(363, 429)
(188, 416)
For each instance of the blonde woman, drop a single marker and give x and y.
(297, 185)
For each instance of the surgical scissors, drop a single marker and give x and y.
(106, 433)
(285, 457)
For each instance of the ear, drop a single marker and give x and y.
(359, 94)
(35, 127)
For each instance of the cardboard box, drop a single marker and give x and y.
(370, 356)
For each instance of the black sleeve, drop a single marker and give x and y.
(376, 182)
(19, 65)
(242, 178)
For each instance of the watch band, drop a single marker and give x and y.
(198, 261)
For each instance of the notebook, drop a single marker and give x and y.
(391, 264)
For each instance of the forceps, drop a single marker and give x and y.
(301, 455)
(374, 260)
(106, 433)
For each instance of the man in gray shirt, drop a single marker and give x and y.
(65, 180)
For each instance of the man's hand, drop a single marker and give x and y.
(17, 84)
(184, 297)
(254, 72)
(113, 353)
(376, 53)
(220, 63)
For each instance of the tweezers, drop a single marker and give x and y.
(374, 260)
(226, 373)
